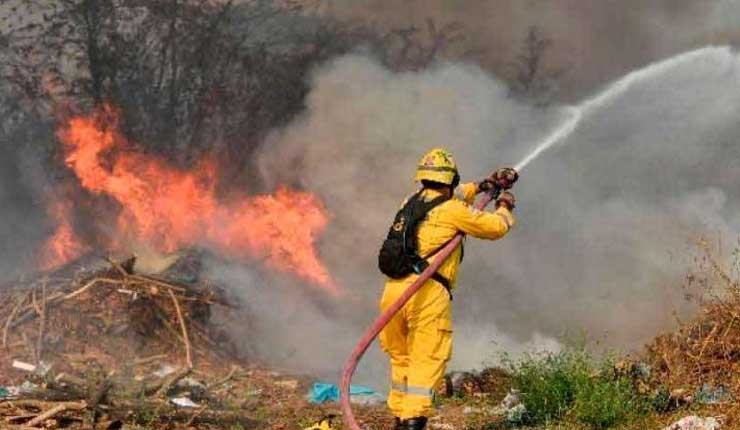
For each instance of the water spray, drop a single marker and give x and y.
(575, 115)
(586, 107)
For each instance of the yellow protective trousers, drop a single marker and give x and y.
(419, 342)
(419, 338)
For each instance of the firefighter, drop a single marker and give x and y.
(419, 338)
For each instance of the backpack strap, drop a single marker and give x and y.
(420, 263)
(444, 282)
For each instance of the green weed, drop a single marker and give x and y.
(572, 382)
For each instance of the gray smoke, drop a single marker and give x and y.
(593, 42)
(24, 185)
(606, 219)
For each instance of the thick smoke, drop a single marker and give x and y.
(593, 41)
(24, 183)
(606, 219)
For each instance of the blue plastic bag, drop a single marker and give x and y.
(323, 392)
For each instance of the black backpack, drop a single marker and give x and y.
(398, 256)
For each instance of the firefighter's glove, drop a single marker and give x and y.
(507, 200)
(505, 177)
(486, 184)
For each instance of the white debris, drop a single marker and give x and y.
(693, 422)
(511, 399)
(511, 407)
(41, 369)
(165, 370)
(184, 402)
(516, 413)
(24, 366)
(27, 387)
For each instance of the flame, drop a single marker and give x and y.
(168, 208)
(64, 245)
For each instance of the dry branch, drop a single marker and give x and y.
(89, 285)
(167, 383)
(59, 408)
(185, 339)
(147, 360)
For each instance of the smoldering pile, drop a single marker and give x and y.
(97, 346)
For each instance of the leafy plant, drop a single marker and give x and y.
(548, 382)
(573, 383)
(603, 403)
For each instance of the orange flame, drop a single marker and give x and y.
(168, 208)
(63, 246)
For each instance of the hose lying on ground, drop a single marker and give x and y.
(351, 364)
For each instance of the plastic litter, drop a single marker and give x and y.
(28, 367)
(359, 394)
(41, 370)
(711, 395)
(512, 408)
(4, 393)
(184, 402)
(694, 422)
(515, 414)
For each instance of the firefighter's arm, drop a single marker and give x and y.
(466, 192)
(477, 223)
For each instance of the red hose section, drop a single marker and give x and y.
(354, 359)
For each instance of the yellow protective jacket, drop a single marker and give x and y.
(444, 221)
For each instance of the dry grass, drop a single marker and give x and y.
(705, 350)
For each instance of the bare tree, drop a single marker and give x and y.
(531, 79)
(414, 48)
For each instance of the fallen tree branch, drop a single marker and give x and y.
(160, 388)
(222, 381)
(155, 281)
(185, 339)
(61, 407)
(147, 360)
(30, 311)
(89, 285)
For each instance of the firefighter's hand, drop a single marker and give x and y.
(507, 200)
(505, 177)
(486, 184)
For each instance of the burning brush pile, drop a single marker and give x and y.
(101, 343)
(95, 344)
(96, 347)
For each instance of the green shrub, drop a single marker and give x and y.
(547, 383)
(572, 382)
(603, 403)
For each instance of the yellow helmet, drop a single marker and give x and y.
(438, 165)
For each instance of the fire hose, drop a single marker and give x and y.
(375, 329)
